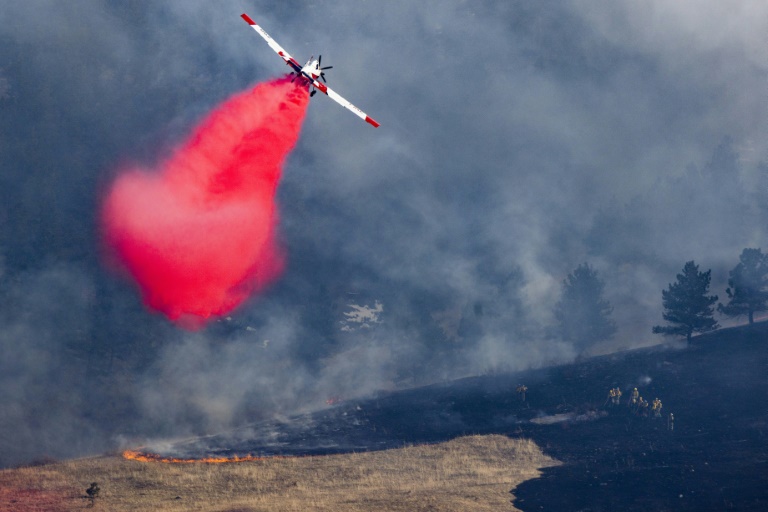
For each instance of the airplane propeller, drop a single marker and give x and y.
(322, 75)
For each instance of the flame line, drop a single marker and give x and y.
(153, 457)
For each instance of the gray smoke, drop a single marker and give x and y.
(518, 140)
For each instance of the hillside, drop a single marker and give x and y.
(470, 473)
(715, 457)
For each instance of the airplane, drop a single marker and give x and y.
(309, 73)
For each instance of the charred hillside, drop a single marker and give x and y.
(713, 456)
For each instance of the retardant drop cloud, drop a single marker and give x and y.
(198, 233)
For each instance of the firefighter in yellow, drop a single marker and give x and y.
(616, 396)
(611, 397)
(633, 398)
(656, 408)
(642, 407)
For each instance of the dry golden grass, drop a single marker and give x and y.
(471, 473)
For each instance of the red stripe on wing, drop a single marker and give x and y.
(247, 19)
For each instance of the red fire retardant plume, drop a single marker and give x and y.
(198, 234)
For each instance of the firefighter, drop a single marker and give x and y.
(611, 396)
(93, 493)
(642, 407)
(521, 389)
(616, 396)
(633, 398)
(656, 408)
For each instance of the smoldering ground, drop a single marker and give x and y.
(518, 140)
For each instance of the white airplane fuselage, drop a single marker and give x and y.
(311, 69)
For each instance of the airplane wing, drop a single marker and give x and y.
(297, 68)
(344, 103)
(273, 44)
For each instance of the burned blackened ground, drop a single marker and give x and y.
(423, 415)
(715, 458)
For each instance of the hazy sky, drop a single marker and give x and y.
(518, 139)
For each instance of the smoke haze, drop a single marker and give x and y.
(517, 141)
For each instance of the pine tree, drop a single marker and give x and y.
(687, 304)
(582, 313)
(747, 285)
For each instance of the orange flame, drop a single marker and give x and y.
(153, 457)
